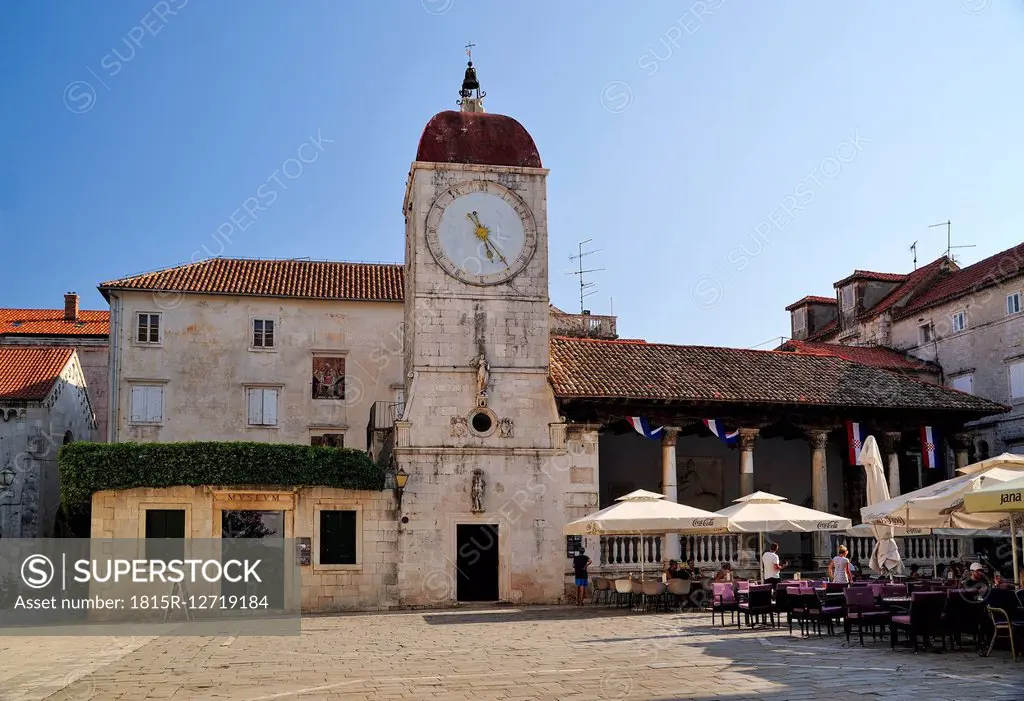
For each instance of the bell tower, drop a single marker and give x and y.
(480, 419)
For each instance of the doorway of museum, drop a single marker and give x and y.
(476, 562)
(249, 536)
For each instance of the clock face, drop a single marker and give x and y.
(481, 232)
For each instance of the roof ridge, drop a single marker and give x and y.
(205, 261)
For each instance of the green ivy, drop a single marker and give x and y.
(86, 468)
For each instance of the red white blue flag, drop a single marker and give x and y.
(856, 435)
(718, 428)
(929, 447)
(643, 427)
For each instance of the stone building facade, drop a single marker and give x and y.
(44, 403)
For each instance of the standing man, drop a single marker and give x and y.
(771, 568)
(580, 563)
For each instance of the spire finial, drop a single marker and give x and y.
(471, 95)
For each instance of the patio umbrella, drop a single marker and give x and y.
(885, 556)
(942, 505)
(642, 513)
(762, 513)
(1007, 498)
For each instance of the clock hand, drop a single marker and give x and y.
(492, 245)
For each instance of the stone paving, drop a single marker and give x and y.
(562, 653)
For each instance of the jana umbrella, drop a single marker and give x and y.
(942, 505)
(762, 513)
(885, 556)
(1007, 498)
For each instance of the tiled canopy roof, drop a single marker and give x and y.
(28, 373)
(986, 273)
(597, 369)
(810, 299)
(875, 356)
(51, 322)
(373, 282)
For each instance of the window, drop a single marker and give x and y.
(330, 440)
(262, 406)
(927, 333)
(849, 298)
(148, 328)
(1013, 303)
(337, 537)
(964, 383)
(262, 333)
(162, 524)
(959, 322)
(1017, 380)
(328, 378)
(147, 404)
(799, 321)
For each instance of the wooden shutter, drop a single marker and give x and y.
(154, 404)
(255, 407)
(138, 404)
(1017, 380)
(270, 407)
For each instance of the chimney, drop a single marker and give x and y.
(71, 307)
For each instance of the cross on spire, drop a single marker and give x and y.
(469, 49)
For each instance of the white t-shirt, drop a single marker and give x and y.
(768, 560)
(839, 564)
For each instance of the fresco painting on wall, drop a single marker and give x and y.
(328, 378)
(701, 482)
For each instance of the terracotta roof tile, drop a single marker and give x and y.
(51, 322)
(811, 299)
(28, 373)
(875, 356)
(914, 280)
(371, 282)
(994, 270)
(482, 138)
(871, 275)
(588, 368)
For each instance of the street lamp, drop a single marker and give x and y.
(401, 479)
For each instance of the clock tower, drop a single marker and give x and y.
(480, 436)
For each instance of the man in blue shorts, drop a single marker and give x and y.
(580, 563)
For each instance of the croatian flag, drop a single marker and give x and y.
(857, 435)
(929, 447)
(643, 427)
(718, 428)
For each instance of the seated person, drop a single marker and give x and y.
(673, 571)
(975, 578)
(915, 571)
(724, 574)
(940, 571)
(690, 571)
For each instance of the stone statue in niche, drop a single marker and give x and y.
(506, 429)
(459, 427)
(483, 376)
(477, 491)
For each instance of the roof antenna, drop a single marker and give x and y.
(949, 239)
(913, 249)
(584, 285)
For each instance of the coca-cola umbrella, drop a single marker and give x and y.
(762, 513)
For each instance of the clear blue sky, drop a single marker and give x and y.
(671, 138)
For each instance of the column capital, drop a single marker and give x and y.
(818, 438)
(747, 437)
(669, 435)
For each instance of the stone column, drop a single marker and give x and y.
(669, 484)
(819, 488)
(747, 438)
(961, 443)
(890, 453)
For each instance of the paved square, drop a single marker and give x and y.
(501, 653)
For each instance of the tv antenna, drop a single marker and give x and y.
(586, 288)
(949, 239)
(913, 249)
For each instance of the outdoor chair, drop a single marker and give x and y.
(602, 588)
(893, 590)
(876, 590)
(812, 612)
(785, 599)
(862, 611)
(963, 616)
(653, 594)
(679, 590)
(924, 620)
(1004, 625)
(835, 587)
(623, 591)
(758, 605)
(723, 599)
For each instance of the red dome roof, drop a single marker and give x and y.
(479, 138)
